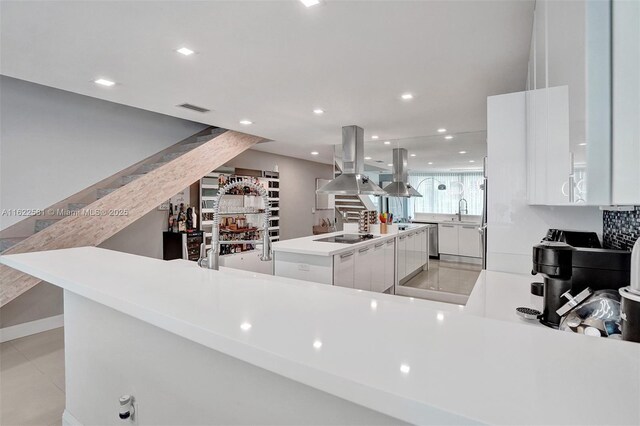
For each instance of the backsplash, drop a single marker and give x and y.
(620, 230)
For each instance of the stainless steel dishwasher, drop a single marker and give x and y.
(433, 240)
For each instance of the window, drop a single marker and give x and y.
(458, 185)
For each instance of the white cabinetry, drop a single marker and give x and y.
(377, 267)
(402, 257)
(459, 240)
(568, 104)
(468, 241)
(344, 269)
(363, 266)
(389, 263)
(626, 102)
(447, 239)
(246, 261)
(424, 246)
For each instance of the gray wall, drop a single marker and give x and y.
(54, 143)
(297, 189)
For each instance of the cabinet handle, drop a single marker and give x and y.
(469, 227)
(401, 238)
(447, 226)
(379, 245)
(362, 250)
(345, 255)
(390, 242)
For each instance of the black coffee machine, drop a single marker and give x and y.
(573, 261)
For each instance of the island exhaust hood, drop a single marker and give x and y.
(399, 187)
(352, 181)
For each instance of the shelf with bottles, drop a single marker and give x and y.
(244, 205)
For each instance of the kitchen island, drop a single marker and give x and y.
(376, 264)
(197, 346)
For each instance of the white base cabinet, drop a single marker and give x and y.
(459, 240)
(344, 267)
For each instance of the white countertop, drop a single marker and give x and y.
(496, 295)
(458, 368)
(309, 245)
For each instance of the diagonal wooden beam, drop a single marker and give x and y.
(101, 219)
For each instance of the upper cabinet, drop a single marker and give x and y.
(569, 104)
(626, 102)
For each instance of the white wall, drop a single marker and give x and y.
(513, 225)
(54, 143)
(297, 189)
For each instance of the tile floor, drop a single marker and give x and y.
(450, 277)
(32, 380)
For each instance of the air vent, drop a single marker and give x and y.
(194, 108)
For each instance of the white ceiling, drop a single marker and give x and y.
(273, 62)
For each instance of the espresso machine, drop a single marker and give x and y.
(571, 262)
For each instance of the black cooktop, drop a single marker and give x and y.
(347, 238)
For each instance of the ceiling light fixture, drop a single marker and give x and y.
(245, 326)
(430, 162)
(387, 142)
(104, 82)
(413, 155)
(185, 51)
(314, 152)
(317, 344)
(404, 369)
(472, 161)
(309, 3)
(375, 137)
(367, 158)
(462, 152)
(318, 111)
(442, 130)
(583, 144)
(246, 122)
(390, 165)
(448, 137)
(406, 96)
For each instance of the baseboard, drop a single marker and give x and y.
(461, 259)
(28, 328)
(69, 420)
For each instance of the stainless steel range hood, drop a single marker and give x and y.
(352, 181)
(399, 187)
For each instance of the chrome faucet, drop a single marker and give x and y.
(211, 259)
(466, 209)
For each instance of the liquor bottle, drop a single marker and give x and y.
(171, 218)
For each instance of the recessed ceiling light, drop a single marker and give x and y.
(185, 51)
(374, 305)
(245, 326)
(472, 161)
(103, 82)
(309, 3)
(318, 111)
(462, 152)
(246, 122)
(317, 344)
(448, 137)
(430, 162)
(367, 158)
(413, 155)
(442, 130)
(440, 316)
(390, 164)
(387, 142)
(582, 144)
(406, 96)
(314, 152)
(375, 137)
(404, 369)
